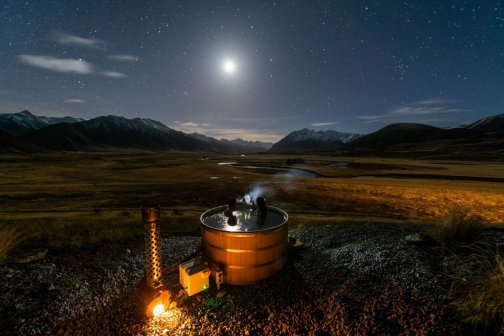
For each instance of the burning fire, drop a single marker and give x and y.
(158, 310)
(157, 302)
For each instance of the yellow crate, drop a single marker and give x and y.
(194, 276)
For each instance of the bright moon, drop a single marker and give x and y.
(229, 66)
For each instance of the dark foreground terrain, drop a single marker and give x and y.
(346, 280)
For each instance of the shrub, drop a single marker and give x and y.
(458, 227)
(10, 238)
(482, 303)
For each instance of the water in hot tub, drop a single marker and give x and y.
(244, 219)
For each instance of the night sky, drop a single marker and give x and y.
(351, 66)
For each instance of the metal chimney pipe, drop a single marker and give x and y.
(153, 294)
(150, 218)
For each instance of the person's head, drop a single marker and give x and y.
(261, 203)
(262, 210)
(231, 202)
(232, 220)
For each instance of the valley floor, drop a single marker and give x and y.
(356, 275)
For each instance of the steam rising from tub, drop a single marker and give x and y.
(257, 190)
(254, 199)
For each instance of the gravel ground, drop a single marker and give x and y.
(346, 280)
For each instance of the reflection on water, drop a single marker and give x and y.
(296, 172)
(339, 165)
(244, 220)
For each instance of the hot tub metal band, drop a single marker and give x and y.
(265, 248)
(280, 260)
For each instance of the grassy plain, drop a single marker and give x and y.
(69, 198)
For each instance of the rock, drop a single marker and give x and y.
(9, 273)
(221, 293)
(32, 256)
(419, 238)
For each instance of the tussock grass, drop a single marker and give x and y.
(458, 227)
(480, 297)
(74, 229)
(10, 238)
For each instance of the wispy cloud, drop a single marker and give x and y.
(430, 110)
(57, 64)
(192, 124)
(123, 58)
(75, 101)
(66, 65)
(375, 118)
(245, 134)
(113, 74)
(425, 109)
(329, 123)
(227, 133)
(435, 101)
(74, 40)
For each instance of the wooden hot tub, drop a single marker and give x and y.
(248, 250)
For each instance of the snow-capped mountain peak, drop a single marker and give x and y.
(24, 122)
(306, 138)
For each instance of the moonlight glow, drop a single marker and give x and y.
(229, 66)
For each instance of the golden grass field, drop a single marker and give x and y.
(67, 198)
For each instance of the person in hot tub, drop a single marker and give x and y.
(228, 212)
(262, 210)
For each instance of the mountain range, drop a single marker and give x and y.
(25, 132)
(309, 140)
(483, 138)
(24, 122)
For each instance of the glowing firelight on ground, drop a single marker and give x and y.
(168, 321)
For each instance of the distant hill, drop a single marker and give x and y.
(140, 133)
(61, 137)
(113, 131)
(24, 122)
(12, 144)
(25, 132)
(248, 146)
(483, 139)
(408, 135)
(233, 146)
(493, 124)
(310, 140)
